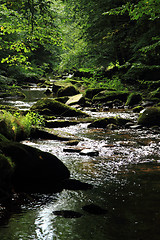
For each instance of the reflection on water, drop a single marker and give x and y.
(126, 182)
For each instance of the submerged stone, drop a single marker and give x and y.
(94, 209)
(68, 214)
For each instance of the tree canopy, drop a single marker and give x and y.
(47, 35)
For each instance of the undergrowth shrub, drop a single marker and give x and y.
(17, 126)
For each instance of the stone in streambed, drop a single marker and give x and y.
(150, 117)
(76, 99)
(94, 209)
(55, 108)
(68, 214)
(73, 184)
(35, 170)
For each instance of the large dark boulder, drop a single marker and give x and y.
(35, 170)
(67, 91)
(52, 107)
(133, 99)
(150, 117)
(91, 92)
(6, 172)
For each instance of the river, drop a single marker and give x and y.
(125, 178)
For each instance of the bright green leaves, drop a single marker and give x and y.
(25, 27)
(150, 8)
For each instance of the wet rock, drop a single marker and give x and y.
(76, 99)
(48, 92)
(72, 142)
(94, 209)
(67, 91)
(91, 92)
(73, 184)
(68, 214)
(35, 170)
(112, 126)
(133, 99)
(89, 152)
(37, 133)
(150, 117)
(155, 95)
(138, 109)
(60, 123)
(62, 99)
(110, 96)
(55, 108)
(108, 122)
(72, 150)
(100, 123)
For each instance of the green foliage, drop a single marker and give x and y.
(29, 35)
(16, 126)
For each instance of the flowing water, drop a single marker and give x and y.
(126, 180)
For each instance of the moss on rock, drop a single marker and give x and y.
(55, 108)
(150, 117)
(110, 96)
(67, 91)
(133, 99)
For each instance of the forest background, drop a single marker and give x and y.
(40, 37)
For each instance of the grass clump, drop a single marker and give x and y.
(17, 126)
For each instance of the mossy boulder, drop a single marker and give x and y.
(35, 170)
(150, 117)
(91, 92)
(107, 122)
(59, 84)
(52, 107)
(67, 91)
(110, 96)
(133, 99)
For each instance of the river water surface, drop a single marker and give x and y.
(126, 182)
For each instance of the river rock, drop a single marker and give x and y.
(76, 99)
(68, 214)
(67, 91)
(60, 123)
(94, 209)
(110, 122)
(51, 107)
(133, 99)
(35, 170)
(91, 92)
(150, 117)
(107, 95)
